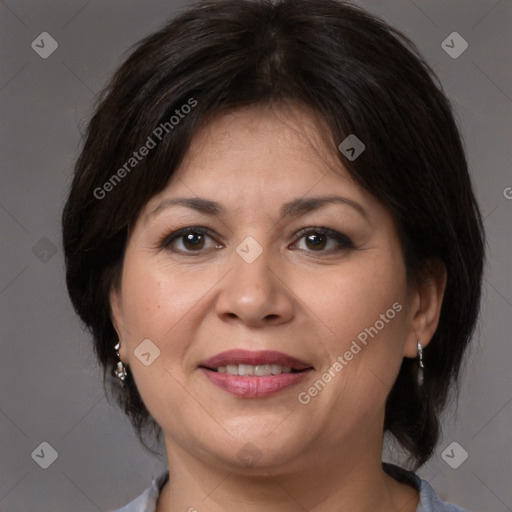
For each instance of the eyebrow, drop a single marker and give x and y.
(292, 209)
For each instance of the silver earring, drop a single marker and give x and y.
(120, 371)
(420, 364)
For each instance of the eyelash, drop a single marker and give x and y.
(343, 241)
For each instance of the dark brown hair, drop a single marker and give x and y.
(362, 77)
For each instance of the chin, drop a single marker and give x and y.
(265, 448)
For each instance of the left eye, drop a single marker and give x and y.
(316, 239)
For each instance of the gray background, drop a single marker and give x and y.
(50, 384)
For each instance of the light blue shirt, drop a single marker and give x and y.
(429, 500)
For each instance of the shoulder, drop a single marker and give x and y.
(146, 502)
(429, 500)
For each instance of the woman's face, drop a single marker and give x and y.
(256, 275)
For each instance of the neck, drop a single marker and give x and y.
(342, 480)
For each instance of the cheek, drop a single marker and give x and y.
(157, 298)
(158, 305)
(363, 307)
(353, 299)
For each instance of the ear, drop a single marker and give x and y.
(116, 316)
(426, 302)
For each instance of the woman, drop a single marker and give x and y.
(272, 236)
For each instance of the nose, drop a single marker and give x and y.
(255, 293)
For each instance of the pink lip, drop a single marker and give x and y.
(252, 386)
(238, 356)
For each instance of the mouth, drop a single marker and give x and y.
(258, 364)
(258, 370)
(249, 374)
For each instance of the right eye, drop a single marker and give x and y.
(192, 240)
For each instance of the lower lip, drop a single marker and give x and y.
(254, 387)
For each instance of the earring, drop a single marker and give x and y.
(420, 364)
(120, 371)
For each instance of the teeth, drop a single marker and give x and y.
(245, 369)
(277, 369)
(259, 370)
(232, 369)
(262, 370)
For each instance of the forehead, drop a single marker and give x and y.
(282, 128)
(261, 150)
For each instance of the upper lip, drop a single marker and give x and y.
(259, 357)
